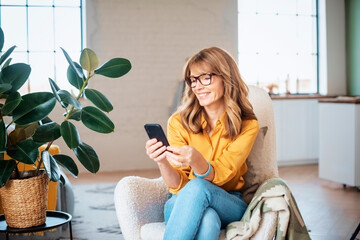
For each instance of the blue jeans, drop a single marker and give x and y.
(200, 210)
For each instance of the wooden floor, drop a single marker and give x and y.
(330, 211)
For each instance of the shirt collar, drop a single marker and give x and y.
(221, 121)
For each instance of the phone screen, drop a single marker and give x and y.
(155, 131)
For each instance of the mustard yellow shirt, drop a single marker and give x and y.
(226, 156)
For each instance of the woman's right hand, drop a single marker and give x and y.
(155, 150)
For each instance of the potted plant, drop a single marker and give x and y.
(25, 125)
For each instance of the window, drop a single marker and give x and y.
(39, 28)
(278, 44)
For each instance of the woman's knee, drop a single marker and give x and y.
(196, 185)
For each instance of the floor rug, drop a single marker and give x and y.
(94, 213)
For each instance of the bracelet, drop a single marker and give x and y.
(205, 174)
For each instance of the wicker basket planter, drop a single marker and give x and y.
(25, 201)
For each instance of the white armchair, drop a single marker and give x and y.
(139, 202)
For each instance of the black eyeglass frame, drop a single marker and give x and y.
(190, 82)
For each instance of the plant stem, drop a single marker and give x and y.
(17, 172)
(79, 95)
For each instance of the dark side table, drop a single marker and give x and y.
(54, 219)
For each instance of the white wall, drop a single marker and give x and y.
(157, 36)
(332, 65)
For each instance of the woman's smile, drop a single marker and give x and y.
(202, 95)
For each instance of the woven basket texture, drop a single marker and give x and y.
(25, 201)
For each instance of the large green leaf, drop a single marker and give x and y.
(5, 87)
(55, 88)
(25, 151)
(12, 101)
(6, 54)
(96, 120)
(70, 134)
(67, 98)
(68, 163)
(88, 60)
(2, 39)
(72, 65)
(6, 168)
(47, 132)
(34, 107)
(16, 75)
(99, 100)
(73, 77)
(51, 167)
(3, 137)
(114, 68)
(88, 157)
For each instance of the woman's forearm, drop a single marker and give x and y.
(201, 167)
(169, 174)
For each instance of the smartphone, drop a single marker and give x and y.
(155, 131)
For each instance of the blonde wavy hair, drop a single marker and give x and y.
(237, 105)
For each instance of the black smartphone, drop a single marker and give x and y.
(154, 130)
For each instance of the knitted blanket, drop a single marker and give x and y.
(272, 195)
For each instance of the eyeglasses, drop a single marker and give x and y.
(205, 79)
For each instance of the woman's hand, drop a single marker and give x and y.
(155, 150)
(184, 156)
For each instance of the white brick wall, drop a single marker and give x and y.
(157, 36)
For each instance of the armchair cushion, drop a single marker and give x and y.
(255, 174)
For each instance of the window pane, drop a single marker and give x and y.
(246, 7)
(42, 68)
(13, 23)
(67, 30)
(13, 2)
(249, 68)
(73, 3)
(40, 2)
(41, 33)
(306, 35)
(18, 57)
(306, 7)
(265, 6)
(286, 6)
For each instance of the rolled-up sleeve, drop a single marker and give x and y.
(232, 160)
(177, 138)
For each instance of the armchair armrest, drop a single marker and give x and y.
(139, 201)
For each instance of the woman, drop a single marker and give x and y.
(210, 137)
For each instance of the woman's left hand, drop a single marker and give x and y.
(182, 157)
